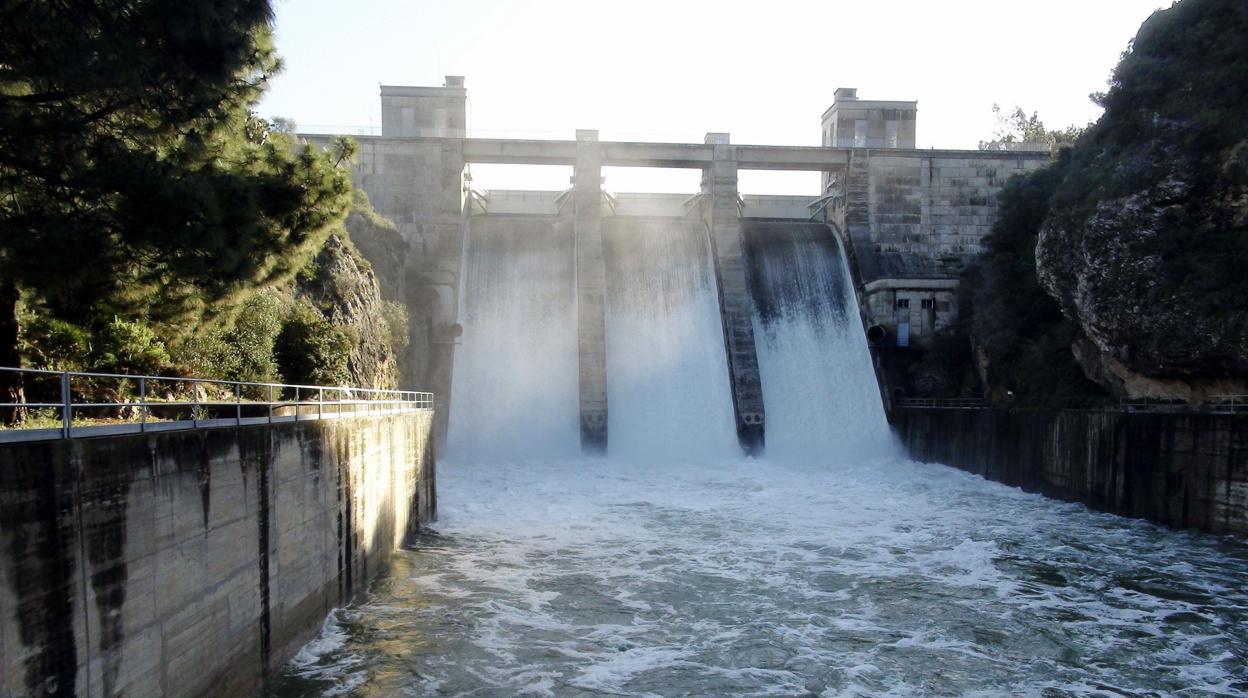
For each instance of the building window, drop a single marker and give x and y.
(860, 133)
(903, 303)
(891, 130)
(927, 303)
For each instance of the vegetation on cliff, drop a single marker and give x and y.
(149, 215)
(1118, 267)
(1021, 341)
(1146, 238)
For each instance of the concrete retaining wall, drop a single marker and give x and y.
(1186, 470)
(189, 563)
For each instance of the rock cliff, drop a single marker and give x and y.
(1146, 240)
(342, 285)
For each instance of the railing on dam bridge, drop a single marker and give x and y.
(1220, 404)
(77, 404)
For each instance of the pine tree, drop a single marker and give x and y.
(135, 181)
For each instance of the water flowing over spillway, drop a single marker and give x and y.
(818, 385)
(667, 377)
(677, 566)
(515, 381)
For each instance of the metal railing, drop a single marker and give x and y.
(1233, 403)
(1217, 404)
(964, 403)
(68, 404)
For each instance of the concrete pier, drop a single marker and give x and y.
(590, 291)
(721, 211)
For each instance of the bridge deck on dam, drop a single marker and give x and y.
(506, 151)
(510, 151)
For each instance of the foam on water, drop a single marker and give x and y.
(667, 376)
(758, 577)
(515, 379)
(829, 567)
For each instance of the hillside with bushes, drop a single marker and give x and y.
(153, 223)
(1118, 268)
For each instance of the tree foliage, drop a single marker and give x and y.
(1140, 229)
(311, 350)
(1155, 201)
(1019, 332)
(1016, 128)
(135, 182)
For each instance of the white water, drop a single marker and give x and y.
(515, 379)
(746, 577)
(817, 570)
(667, 375)
(819, 390)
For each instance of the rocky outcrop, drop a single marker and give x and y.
(1130, 274)
(1145, 244)
(342, 285)
(1107, 371)
(379, 241)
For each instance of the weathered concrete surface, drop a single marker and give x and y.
(189, 563)
(723, 218)
(1186, 470)
(591, 290)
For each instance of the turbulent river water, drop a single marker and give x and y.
(675, 566)
(755, 578)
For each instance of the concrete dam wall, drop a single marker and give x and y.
(673, 348)
(190, 563)
(1186, 470)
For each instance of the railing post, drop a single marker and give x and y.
(67, 414)
(194, 404)
(270, 403)
(142, 404)
(296, 403)
(238, 404)
(320, 403)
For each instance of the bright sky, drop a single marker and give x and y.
(676, 69)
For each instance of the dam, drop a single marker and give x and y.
(830, 564)
(906, 219)
(669, 464)
(669, 470)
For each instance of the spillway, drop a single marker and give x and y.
(667, 377)
(515, 383)
(828, 567)
(819, 388)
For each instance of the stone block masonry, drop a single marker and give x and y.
(190, 563)
(1182, 469)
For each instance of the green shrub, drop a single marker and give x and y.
(121, 346)
(1017, 326)
(311, 350)
(48, 342)
(243, 352)
(397, 320)
(254, 337)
